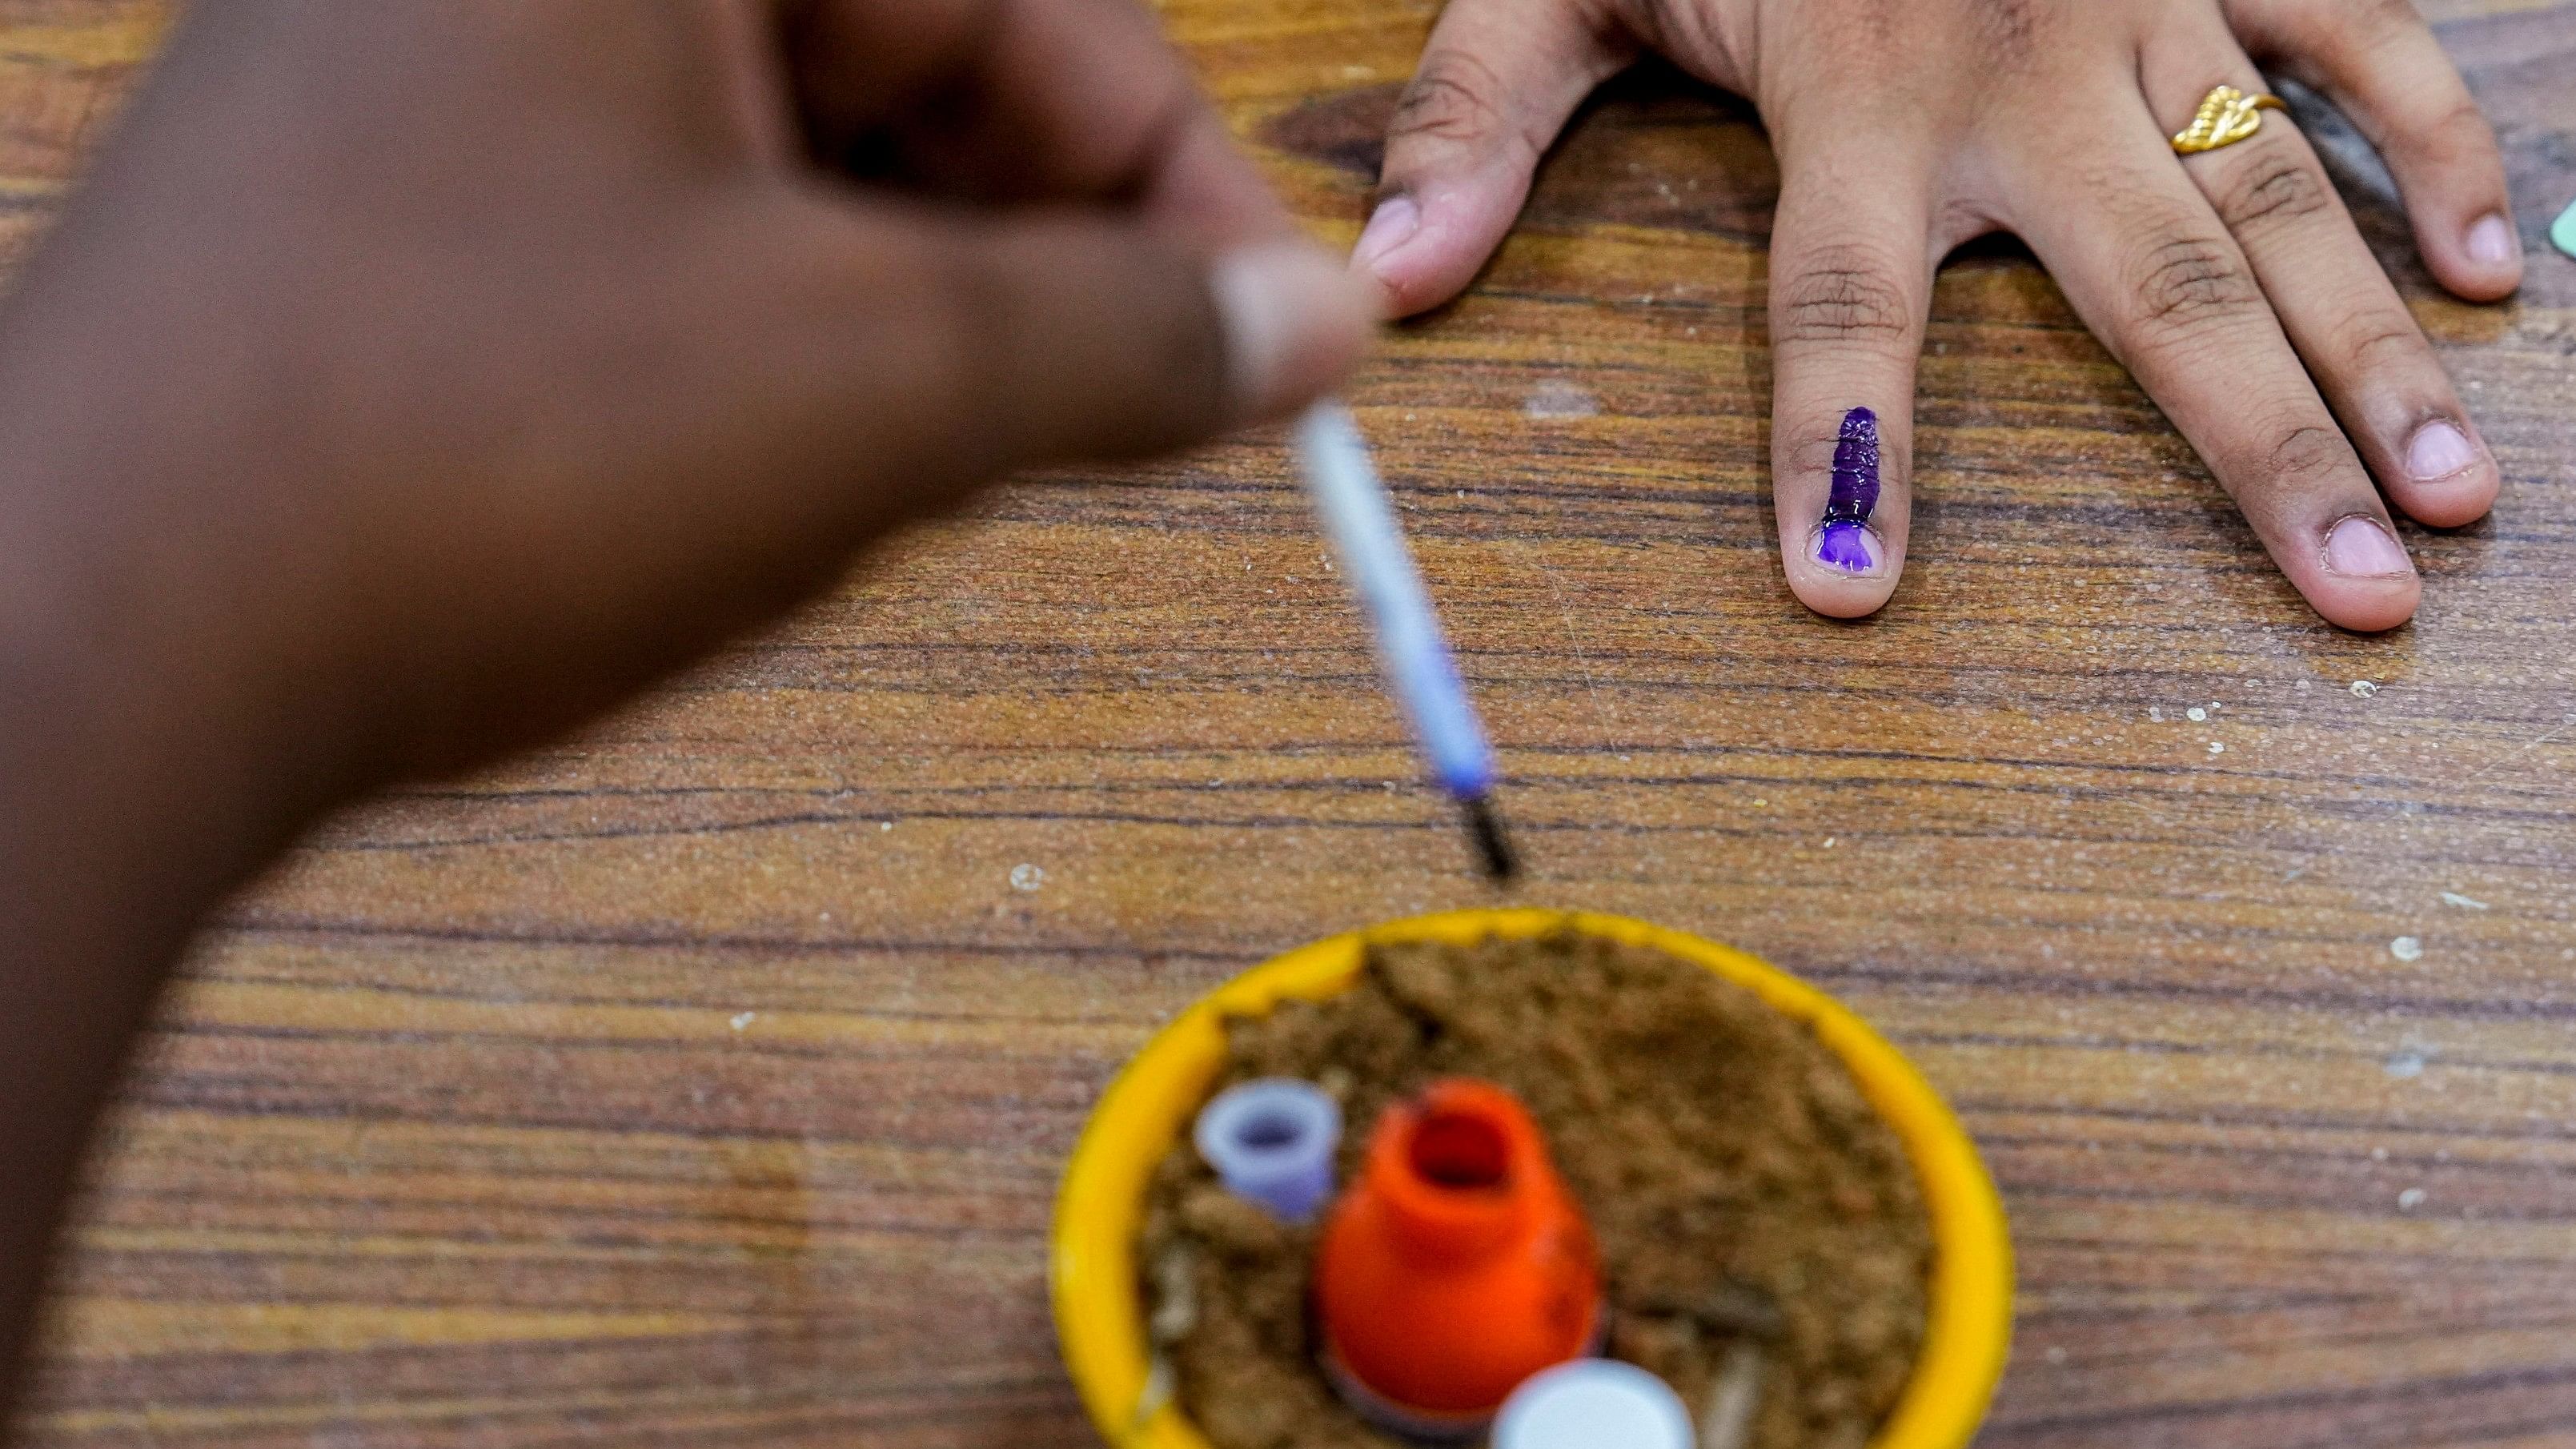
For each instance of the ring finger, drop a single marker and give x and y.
(2338, 308)
(2147, 264)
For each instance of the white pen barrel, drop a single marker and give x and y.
(1360, 519)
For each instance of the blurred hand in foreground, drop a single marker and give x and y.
(410, 380)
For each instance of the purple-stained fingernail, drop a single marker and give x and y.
(1843, 541)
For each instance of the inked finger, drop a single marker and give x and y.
(2338, 308)
(1497, 80)
(1851, 285)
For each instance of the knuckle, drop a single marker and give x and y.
(2374, 23)
(1864, 31)
(1454, 97)
(2462, 117)
(2182, 280)
(2272, 187)
(2459, 134)
(2014, 31)
(2371, 340)
(1811, 449)
(1842, 294)
(2351, 30)
(2310, 457)
(1672, 27)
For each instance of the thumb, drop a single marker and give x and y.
(1498, 79)
(998, 342)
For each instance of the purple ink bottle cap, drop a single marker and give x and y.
(1593, 1403)
(1271, 1142)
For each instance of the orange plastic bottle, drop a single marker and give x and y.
(1457, 1266)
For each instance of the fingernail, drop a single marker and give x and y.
(2361, 548)
(2439, 450)
(1294, 322)
(1846, 547)
(1392, 225)
(2492, 241)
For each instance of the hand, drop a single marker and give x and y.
(2232, 283)
(468, 363)
(412, 379)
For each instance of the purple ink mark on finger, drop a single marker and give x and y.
(1855, 469)
(1844, 542)
(1845, 546)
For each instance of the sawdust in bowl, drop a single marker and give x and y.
(1749, 1204)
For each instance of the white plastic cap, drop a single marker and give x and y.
(1593, 1403)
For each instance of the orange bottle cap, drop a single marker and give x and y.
(1458, 1265)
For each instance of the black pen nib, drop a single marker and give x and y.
(1493, 848)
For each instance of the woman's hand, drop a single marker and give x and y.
(2231, 282)
(411, 379)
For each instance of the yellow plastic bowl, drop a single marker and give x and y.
(1149, 1107)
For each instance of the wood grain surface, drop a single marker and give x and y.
(705, 1079)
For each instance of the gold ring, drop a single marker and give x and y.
(2227, 116)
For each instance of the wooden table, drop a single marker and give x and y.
(705, 1079)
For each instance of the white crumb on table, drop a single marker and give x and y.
(2363, 689)
(2406, 948)
(1026, 877)
(1556, 398)
(2454, 898)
